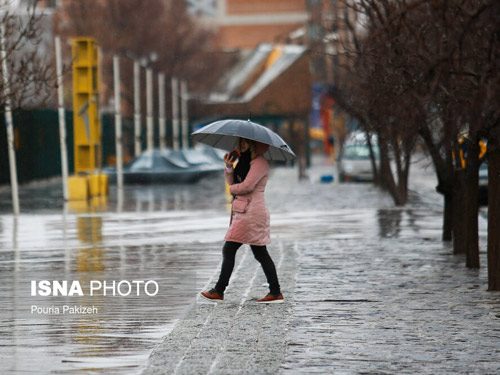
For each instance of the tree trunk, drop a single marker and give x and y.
(402, 182)
(472, 205)
(376, 178)
(445, 175)
(399, 189)
(494, 212)
(300, 147)
(386, 176)
(458, 221)
(447, 217)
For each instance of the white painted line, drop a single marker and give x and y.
(281, 248)
(240, 306)
(235, 272)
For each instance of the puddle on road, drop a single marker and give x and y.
(47, 197)
(120, 336)
(168, 233)
(171, 234)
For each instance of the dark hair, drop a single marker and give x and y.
(243, 166)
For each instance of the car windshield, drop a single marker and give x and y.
(358, 152)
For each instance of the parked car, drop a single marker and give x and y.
(359, 138)
(169, 166)
(354, 163)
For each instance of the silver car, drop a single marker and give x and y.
(354, 163)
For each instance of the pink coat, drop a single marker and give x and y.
(252, 226)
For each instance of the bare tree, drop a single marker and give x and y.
(131, 28)
(435, 66)
(31, 75)
(465, 97)
(370, 84)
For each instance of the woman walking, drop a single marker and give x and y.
(249, 218)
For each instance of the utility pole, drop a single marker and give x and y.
(9, 123)
(118, 126)
(137, 109)
(62, 120)
(175, 113)
(184, 115)
(161, 106)
(149, 109)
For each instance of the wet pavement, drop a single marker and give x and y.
(119, 336)
(170, 234)
(369, 288)
(47, 197)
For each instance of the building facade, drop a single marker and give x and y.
(247, 23)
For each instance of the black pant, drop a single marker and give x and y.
(260, 253)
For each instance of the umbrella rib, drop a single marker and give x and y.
(220, 138)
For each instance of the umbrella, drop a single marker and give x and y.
(224, 134)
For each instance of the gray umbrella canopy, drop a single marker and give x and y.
(224, 134)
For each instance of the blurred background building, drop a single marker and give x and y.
(246, 23)
(330, 30)
(276, 61)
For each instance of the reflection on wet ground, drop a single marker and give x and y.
(160, 237)
(171, 234)
(393, 222)
(47, 197)
(88, 248)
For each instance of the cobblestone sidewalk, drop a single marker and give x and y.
(369, 289)
(237, 335)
